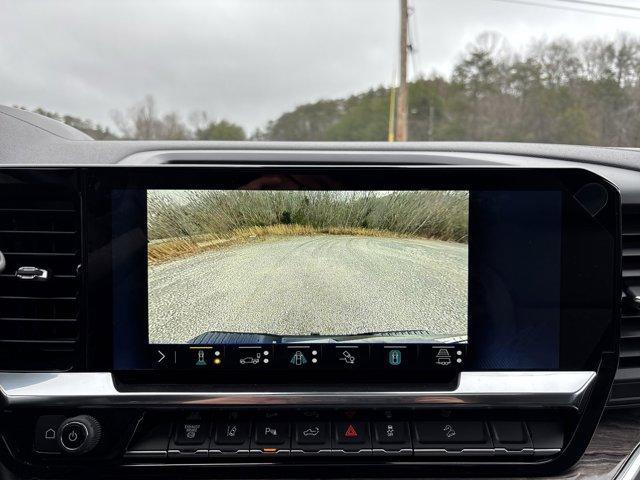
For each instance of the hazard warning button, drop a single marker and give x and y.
(351, 433)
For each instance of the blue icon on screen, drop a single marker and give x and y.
(395, 357)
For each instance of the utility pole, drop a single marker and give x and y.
(391, 131)
(402, 101)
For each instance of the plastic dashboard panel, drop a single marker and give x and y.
(578, 396)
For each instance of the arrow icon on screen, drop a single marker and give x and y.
(162, 356)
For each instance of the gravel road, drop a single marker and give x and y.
(327, 285)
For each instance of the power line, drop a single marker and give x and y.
(570, 9)
(602, 4)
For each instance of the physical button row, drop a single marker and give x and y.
(437, 438)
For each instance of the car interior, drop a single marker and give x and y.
(538, 374)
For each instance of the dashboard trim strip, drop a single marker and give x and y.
(630, 468)
(514, 389)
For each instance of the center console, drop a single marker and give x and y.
(396, 319)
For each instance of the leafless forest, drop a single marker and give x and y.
(553, 91)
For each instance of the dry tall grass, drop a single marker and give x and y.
(182, 223)
(174, 248)
(434, 214)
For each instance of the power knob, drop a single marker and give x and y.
(78, 435)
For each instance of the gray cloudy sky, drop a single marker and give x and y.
(244, 60)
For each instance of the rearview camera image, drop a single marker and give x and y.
(246, 266)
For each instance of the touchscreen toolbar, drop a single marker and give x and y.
(306, 357)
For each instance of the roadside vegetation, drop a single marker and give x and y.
(553, 91)
(183, 223)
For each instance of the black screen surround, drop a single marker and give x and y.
(523, 263)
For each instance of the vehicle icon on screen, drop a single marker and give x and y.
(250, 360)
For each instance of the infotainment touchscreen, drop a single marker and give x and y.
(310, 267)
(339, 274)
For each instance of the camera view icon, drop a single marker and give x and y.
(347, 358)
(253, 360)
(443, 357)
(253, 357)
(201, 362)
(395, 357)
(303, 356)
(200, 356)
(298, 359)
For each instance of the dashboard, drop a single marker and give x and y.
(203, 309)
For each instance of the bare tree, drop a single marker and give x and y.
(142, 122)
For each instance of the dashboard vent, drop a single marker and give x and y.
(626, 389)
(39, 287)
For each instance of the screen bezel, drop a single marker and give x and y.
(100, 182)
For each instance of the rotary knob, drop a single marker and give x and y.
(78, 435)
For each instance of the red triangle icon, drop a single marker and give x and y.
(351, 432)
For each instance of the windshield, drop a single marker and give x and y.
(550, 71)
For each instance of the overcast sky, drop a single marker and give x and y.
(245, 60)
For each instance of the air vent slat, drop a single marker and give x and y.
(35, 232)
(37, 299)
(629, 373)
(631, 348)
(631, 220)
(62, 341)
(54, 264)
(630, 327)
(39, 254)
(13, 276)
(631, 274)
(627, 385)
(39, 211)
(21, 319)
(55, 221)
(39, 318)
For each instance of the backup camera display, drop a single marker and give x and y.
(244, 266)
